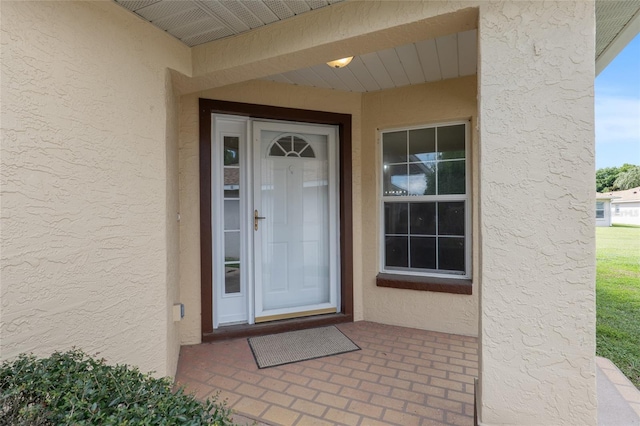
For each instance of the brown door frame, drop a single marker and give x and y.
(343, 122)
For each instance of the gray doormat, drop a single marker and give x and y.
(301, 345)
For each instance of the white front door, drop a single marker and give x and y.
(295, 258)
(274, 220)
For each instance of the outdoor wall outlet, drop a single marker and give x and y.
(178, 311)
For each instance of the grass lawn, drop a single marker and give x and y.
(618, 298)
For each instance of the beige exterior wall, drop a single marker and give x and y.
(409, 106)
(88, 183)
(537, 298)
(171, 216)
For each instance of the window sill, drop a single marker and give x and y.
(410, 282)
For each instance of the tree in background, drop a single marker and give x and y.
(628, 179)
(606, 178)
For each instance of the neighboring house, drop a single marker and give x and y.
(603, 209)
(443, 180)
(625, 206)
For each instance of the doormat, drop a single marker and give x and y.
(301, 345)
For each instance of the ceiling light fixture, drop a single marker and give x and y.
(340, 63)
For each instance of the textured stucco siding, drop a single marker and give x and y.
(411, 106)
(537, 300)
(89, 174)
(86, 181)
(173, 230)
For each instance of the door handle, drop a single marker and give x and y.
(256, 218)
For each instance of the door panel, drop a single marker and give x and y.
(293, 241)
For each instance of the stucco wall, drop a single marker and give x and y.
(258, 92)
(537, 300)
(414, 105)
(88, 176)
(88, 179)
(171, 216)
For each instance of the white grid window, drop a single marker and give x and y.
(425, 201)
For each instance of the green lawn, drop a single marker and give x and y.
(618, 298)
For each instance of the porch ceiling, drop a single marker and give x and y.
(196, 22)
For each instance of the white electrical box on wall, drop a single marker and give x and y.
(178, 311)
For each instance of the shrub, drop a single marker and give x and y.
(73, 388)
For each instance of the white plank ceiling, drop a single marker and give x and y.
(445, 57)
(197, 22)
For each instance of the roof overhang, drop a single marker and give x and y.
(617, 23)
(209, 25)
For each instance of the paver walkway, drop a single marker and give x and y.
(402, 376)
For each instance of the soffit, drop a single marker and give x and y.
(450, 56)
(612, 16)
(196, 22)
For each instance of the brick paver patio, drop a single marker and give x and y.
(402, 376)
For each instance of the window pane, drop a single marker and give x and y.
(231, 150)
(422, 179)
(232, 278)
(276, 150)
(451, 178)
(451, 142)
(451, 218)
(232, 193)
(395, 218)
(299, 144)
(307, 152)
(395, 180)
(287, 143)
(422, 145)
(423, 252)
(451, 254)
(423, 219)
(396, 251)
(394, 147)
(231, 214)
(231, 246)
(231, 182)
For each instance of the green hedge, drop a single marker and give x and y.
(73, 388)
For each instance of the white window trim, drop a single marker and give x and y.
(466, 197)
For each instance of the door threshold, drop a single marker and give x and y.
(246, 330)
